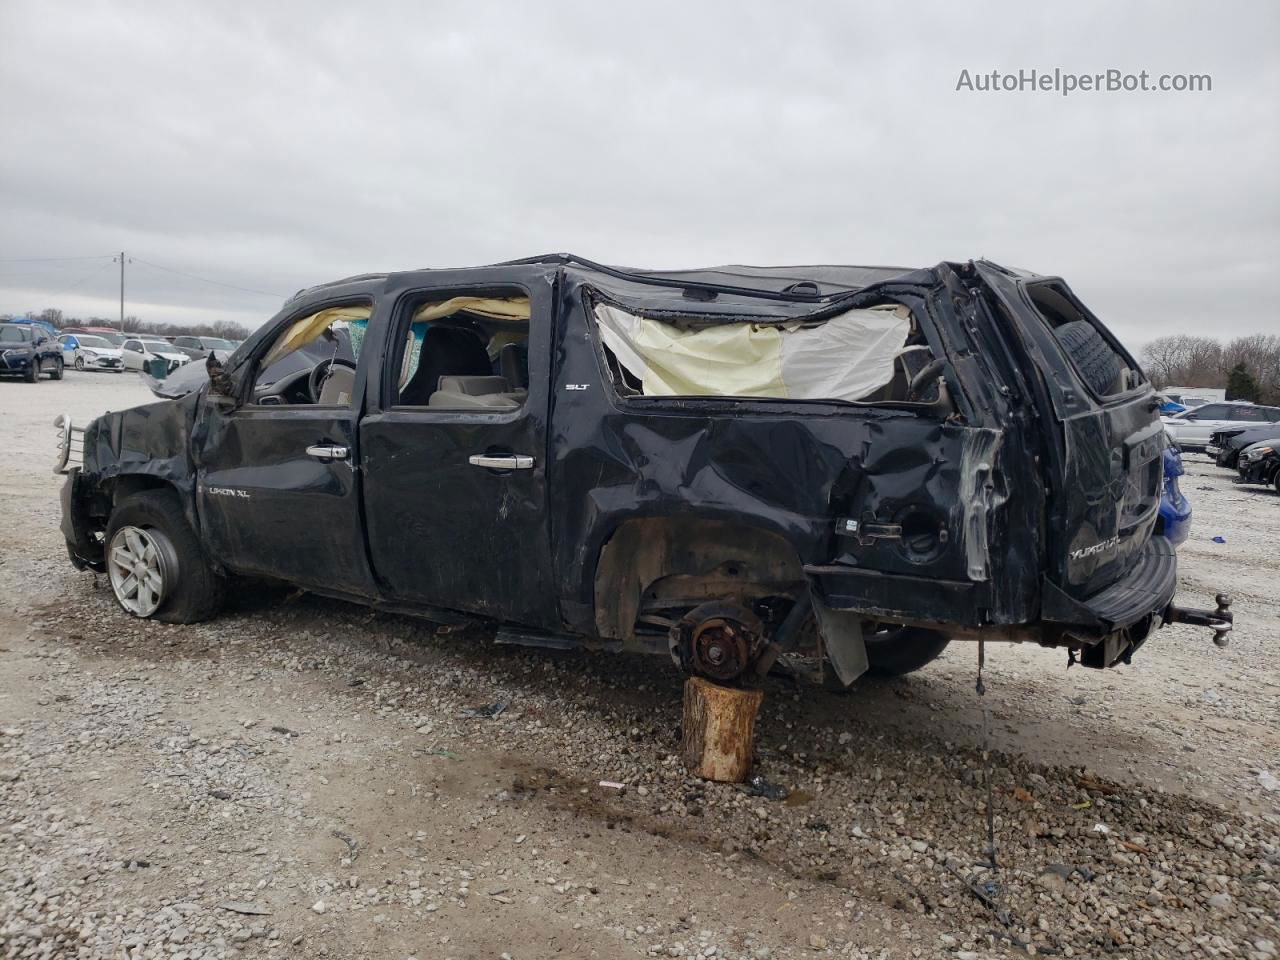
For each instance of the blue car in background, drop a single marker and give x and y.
(1174, 519)
(1168, 406)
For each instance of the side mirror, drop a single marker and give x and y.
(222, 386)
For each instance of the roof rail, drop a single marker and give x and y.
(791, 295)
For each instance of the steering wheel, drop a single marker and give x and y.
(320, 373)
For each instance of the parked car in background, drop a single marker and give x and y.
(197, 348)
(110, 334)
(1192, 429)
(1225, 445)
(138, 353)
(88, 351)
(1169, 406)
(27, 351)
(1174, 520)
(1195, 396)
(69, 344)
(1187, 401)
(43, 326)
(1260, 463)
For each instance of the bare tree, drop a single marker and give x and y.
(1185, 361)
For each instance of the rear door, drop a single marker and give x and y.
(455, 496)
(1104, 471)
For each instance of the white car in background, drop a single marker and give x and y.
(140, 351)
(1192, 428)
(87, 351)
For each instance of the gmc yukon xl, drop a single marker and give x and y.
(852, 464)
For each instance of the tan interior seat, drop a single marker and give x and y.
(472, 392)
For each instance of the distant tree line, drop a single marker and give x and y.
(1247, 367)
(219, 328)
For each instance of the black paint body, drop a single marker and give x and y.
(1024, 478)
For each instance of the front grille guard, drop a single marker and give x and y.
(70, 444)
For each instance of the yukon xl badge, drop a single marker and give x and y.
(1099, 547)
(227, 492)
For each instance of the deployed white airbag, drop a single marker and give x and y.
(847, 357)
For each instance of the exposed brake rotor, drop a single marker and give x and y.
(717, 640)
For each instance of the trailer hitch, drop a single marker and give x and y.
(1219, 620)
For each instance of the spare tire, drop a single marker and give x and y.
(1099, 365)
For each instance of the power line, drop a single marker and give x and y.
(105, 256)
(92, 273)
(217, 283)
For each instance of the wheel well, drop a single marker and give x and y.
(683, 557)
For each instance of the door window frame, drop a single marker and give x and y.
(247, 373)
(397, 330)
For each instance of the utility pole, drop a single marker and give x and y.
(122, 291)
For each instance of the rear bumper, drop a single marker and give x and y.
(1147, 589)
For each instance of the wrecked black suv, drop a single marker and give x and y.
(851, 464)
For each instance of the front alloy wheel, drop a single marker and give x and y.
(79, 363)
(142, 565)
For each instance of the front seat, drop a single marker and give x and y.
(446, 351)
(513, 361)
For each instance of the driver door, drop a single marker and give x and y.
(277, 489)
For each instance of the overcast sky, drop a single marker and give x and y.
(270, 147)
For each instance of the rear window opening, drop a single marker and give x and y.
(865, 355)
(1104, 368)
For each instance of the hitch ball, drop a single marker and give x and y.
(1221, 636)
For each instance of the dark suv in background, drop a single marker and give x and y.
(197, 348)
(27, 351)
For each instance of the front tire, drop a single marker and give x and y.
(894, 650)
(79, 364)
(155, 564)
(33, 371)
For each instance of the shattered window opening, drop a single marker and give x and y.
(865, 355)
(314, 360)
(1103, 367)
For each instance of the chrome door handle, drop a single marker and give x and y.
(506, 461)
(328, 451)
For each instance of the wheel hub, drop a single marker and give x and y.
(717, 640)
(141, 564)
(720, 649)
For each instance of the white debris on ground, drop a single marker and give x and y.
(303, 778)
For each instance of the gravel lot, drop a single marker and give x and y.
(300, 778)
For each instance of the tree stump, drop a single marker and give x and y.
(719, 723)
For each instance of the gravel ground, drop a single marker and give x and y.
(302, 778)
